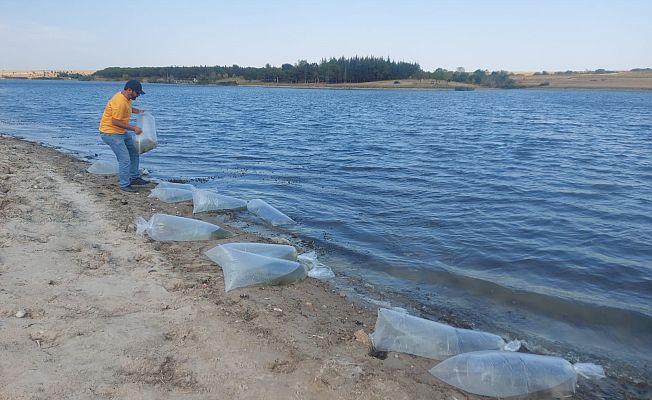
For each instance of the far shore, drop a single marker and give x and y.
(628, 80)
(41, 73)
(621, 80)
(523, 80)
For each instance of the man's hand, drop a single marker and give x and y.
(137, 130)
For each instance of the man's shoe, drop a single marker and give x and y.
(129, 189)
(139, 182)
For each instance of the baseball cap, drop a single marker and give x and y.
(135, 86)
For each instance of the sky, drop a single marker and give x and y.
(510, 35)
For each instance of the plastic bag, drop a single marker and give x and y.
(505, 374)
(147, 140)
(268, 213)
(401, 332)
(589, 370)
(206, 200)
(514, 345)
(254, 264)
(171, 194)
(283, 251)
(171, 227)
(314, 268)
(166, 184)
(103, 168)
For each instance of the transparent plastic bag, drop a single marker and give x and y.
(166, 184)
(505, 374)
(170, 227)
(147, 140)
(207, 200)
(249, 264)
(268, 213)
(314, 268)
(171, 194)
(405, 333)
(283, 251)
(589, 370)
(103, 168)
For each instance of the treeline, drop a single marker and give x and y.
(331, 71)
(335, 70)
(74, 75)
(494, 79)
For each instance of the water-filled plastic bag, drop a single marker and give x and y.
(207, 200)
(283, 251)
(171, 227)
(404, 333)
(147, 140)
(504, 374)
(268, 213)
(166, 184)
(171, 194)
(103, 168)
(314, 268)
(250, 264)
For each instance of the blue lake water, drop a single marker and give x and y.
(527, 212)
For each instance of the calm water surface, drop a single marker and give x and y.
(527, 212)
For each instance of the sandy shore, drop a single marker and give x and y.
(113, 315)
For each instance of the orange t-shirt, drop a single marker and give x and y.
(119, 108)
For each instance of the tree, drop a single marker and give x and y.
(332, 70)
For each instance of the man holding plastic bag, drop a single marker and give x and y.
(114, 131)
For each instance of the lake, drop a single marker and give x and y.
(526, 213)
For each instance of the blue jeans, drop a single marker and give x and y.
(125, 151)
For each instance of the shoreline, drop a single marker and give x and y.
(626, 81)
(123, 316)
(306, 350)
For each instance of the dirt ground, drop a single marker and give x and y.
(616, 80)
(109, 314)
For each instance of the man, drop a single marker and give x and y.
(114, 131)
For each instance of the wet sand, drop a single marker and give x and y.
(113, 315)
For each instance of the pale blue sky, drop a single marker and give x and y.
(511, 35)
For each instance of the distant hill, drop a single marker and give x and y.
(635, 79)
(43, 74)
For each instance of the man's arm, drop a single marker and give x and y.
(126, 126)
(137, 110)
